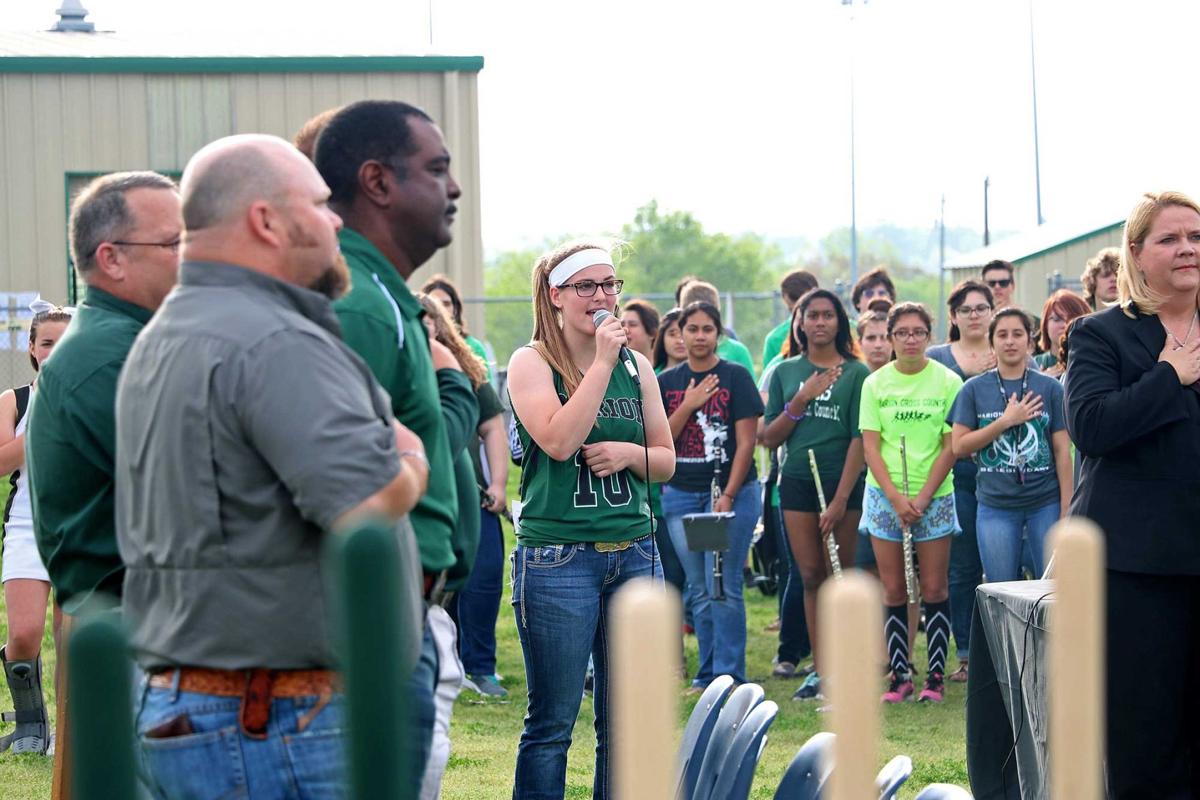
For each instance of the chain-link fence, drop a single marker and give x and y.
(1055, 281)
(508, 321)
(15, 369)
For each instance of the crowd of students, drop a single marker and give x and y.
(962, 444)
(935, 466)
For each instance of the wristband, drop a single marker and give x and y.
(417, 454)
(794, 417)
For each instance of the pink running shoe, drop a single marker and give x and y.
(899, 689)
(935, 689)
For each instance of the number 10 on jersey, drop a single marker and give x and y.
(615, 487)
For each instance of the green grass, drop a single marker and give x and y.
(27, 777)
(485, 736)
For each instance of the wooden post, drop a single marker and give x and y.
(102, 722)
(372, 633)
(645, 621)
(1076, 662)
(852, 607)
(60, 781)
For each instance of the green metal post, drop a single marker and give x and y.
(101, 710)
(372, 629)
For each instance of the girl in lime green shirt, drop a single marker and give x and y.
(911, 398)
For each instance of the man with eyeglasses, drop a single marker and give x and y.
(124, 235)
(388, 171)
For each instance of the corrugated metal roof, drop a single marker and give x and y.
(70, 48)
(1038, 241)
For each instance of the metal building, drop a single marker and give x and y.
(74, 105)
(1046, 258)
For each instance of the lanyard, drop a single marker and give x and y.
(1012, 434)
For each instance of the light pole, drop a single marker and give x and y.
(853, 196)
(1037, 166)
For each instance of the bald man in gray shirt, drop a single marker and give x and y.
(246, 432)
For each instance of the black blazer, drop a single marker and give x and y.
(1138, 431)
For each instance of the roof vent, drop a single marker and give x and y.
(71, 18)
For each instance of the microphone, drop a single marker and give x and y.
(627, 359)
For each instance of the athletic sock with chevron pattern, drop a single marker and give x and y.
(937, 634)
(895, 631)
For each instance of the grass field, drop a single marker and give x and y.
(485, 735)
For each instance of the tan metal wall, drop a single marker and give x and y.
(1033, 271)
(1069, 261)
(55, 124)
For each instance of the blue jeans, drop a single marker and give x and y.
(478, 604)
(965, 571)
(1000, 543)
(302, 756)
(672, 569)
(720, 625)
(560, 597)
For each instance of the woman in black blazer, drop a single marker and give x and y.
(1133, 411)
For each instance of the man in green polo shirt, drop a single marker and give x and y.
(125, 230)
(388, 170)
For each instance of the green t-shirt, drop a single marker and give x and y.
(916, 407)
(478, 349)
(1045, 360)
(735, 351)
(563, 502)
(70, 450)
(829, 422)
(489, 406)
(773, 344)
(381, 321)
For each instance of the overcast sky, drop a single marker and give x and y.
(740, 112)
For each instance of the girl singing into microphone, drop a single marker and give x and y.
(588, 432)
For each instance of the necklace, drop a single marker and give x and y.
(1178, 344)
(1014, 437)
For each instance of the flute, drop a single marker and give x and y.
(910, 572)
(830, 541)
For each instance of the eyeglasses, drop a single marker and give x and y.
(1003, 283)
(973, 311)
(588, 288)
(915, 335)
(172, 245)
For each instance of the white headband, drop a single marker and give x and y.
(577, 261)
(40, 306)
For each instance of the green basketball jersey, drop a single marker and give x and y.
(563, 502)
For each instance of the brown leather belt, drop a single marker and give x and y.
(232, 683)
(256, 687)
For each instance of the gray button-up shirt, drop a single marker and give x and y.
(245, 427)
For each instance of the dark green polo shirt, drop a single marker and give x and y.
(70, 449)
(381, 321)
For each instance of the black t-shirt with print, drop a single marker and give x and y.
(711, 428)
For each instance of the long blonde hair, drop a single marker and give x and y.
(446, 333)
(1131, 281)
(548, 339)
